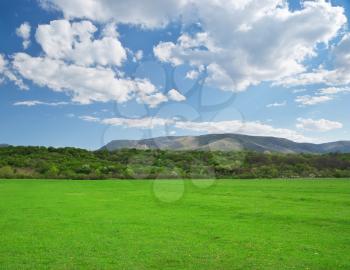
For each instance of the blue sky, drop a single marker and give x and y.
(74, 74)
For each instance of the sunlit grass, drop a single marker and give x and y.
(239, 224)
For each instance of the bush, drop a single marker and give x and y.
(6, 172)
(72, 163)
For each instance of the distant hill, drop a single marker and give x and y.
(229, 142)
(4, 145)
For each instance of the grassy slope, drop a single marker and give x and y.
(261, 224)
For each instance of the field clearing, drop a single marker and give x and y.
(174, 224)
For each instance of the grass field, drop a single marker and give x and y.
(251, 224)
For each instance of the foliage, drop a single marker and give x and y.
(72, 163)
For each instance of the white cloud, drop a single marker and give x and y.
(296, 91)
(168, 52)
(318, 125)
(321, 96)
(143, 123)
(75, 42)
(277, 104)
(335, 77)
(308, 100)
(85, 84)
(262, 50)
(148, 94)
(242, 42)
(84, 67)
(333, 90)
(88, 118)
(248, 128)
(138, 55)
(23, 31)
(317, 76)
(339, 75)
(153, 100)
(110, 30)
(148, 14)
(233, 126)
(174, 95)
(3, 64)
(7, 74)
(31, 103)
(192, 74)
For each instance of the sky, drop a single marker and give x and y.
(83, 72)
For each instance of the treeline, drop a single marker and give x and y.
(72, 163)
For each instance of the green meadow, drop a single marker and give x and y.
(175, 224)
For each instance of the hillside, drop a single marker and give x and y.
(230, 142)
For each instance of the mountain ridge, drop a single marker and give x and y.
(4, 145)
(229, 142)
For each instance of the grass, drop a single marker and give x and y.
(251, 224)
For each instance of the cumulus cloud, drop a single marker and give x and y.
(192, 74)
(241, 43)
(341, 54)
(277, 104)
(174, 95)
(147, 14)
(339, 75)
(23, 31)
(138, 55)
(110, 30)
(246, 42)
(86, 68)
(308, 100)
(148, 94)
(85, 84)
(75, 42)
(238, 44)
(233, 126)
(318, 125)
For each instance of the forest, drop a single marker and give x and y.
(72, 163)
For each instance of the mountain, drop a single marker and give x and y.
(230, 142)
(4, 145)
